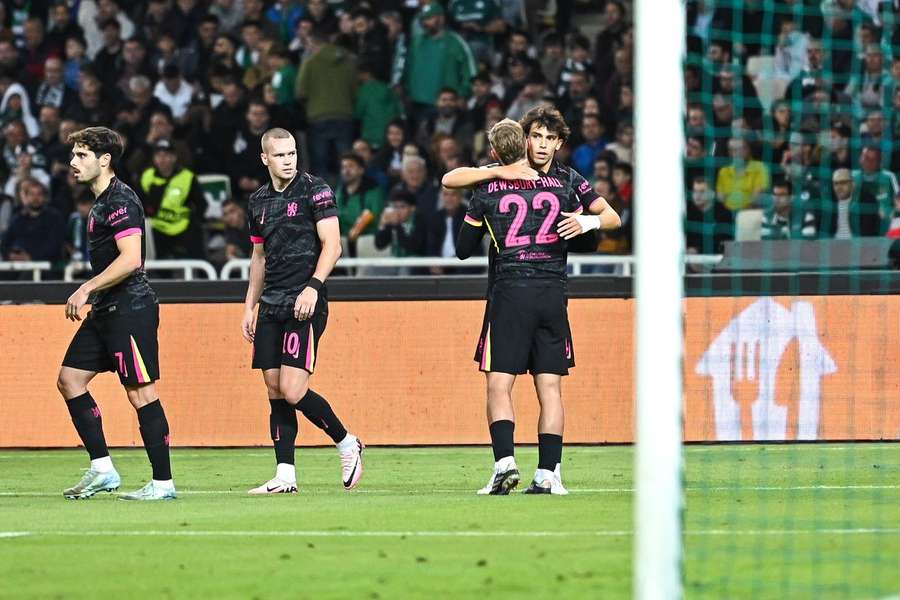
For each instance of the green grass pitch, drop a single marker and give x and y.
(764, 521)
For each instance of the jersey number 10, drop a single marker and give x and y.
(544, 235)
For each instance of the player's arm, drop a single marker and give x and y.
(330, 238)
(127, 262)
(254, 289)
(466, 177)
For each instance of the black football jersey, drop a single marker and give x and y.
(285, 223)
(118, 213)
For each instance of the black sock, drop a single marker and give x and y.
(549, 450)
(316, 408)
(502, 438)
(89, 425)
(283, 427)
(155, 433)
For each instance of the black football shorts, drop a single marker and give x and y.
(124, 342)
(526, 329)
(281, 339)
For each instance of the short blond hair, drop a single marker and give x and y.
(507, 139)
(275, 133)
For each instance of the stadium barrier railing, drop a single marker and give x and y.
(187, 267)
(37, 267)
(623, 264)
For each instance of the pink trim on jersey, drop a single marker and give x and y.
(579, 210)
(256, 239)
(472, 221)
(326, 218)
(129, 231)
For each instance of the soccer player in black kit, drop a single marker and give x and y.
(296, 243)
(526, 325)
(119, 332)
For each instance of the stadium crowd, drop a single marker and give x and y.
(792, 111)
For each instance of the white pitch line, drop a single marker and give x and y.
(618, 490)
(470, 534)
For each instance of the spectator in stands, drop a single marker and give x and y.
(870, 88)
(161, 127)
(812, 77)
(871, 180)
(135, 114)
(571, 103)
(708, 224)
(363, 149)
(609, 39)
(36, 50)
(449, 119)
(415, 180)
(323, 18)
(60, 26)
(53, 91)
(22, 159)
(593, 144)
(790, 50)
(243, 165)
(437, 58)
(92, 107)
(389, 157)
(740, 183)
(77, 247)
(237, 240)
(327, 86)
(400, 227)
(173, 91)
(552, 56)
(482, 94)
(93, 13)
(577, 60)
(75, 57)
(16, 106)
(839, 147)
(134, 63)
(376, 105)
(107, 59)
(175, 205)
(851, 212)
(370, 42)
(442, 228)
(614, 241)
(741, 90)
(776, 131)
(229, 12)
(623, 147)
(622, 174)
(36, 231)
(800, 166)
(531, 96)
(788, 218)
(359, 199)
(479, 22)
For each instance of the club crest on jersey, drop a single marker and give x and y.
(292, 209)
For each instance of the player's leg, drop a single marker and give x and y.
(503, 350)
(131, 343)
(501, 424)
(298, 362)
(267, 349)
(552, 356)
(84, 358)
(550, 435)
(154, 428)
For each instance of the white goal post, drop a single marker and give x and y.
(659, 187)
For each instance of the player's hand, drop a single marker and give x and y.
(575, 224)
(74, 304)
(517, 170)
(248, 324)
(305, 304)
